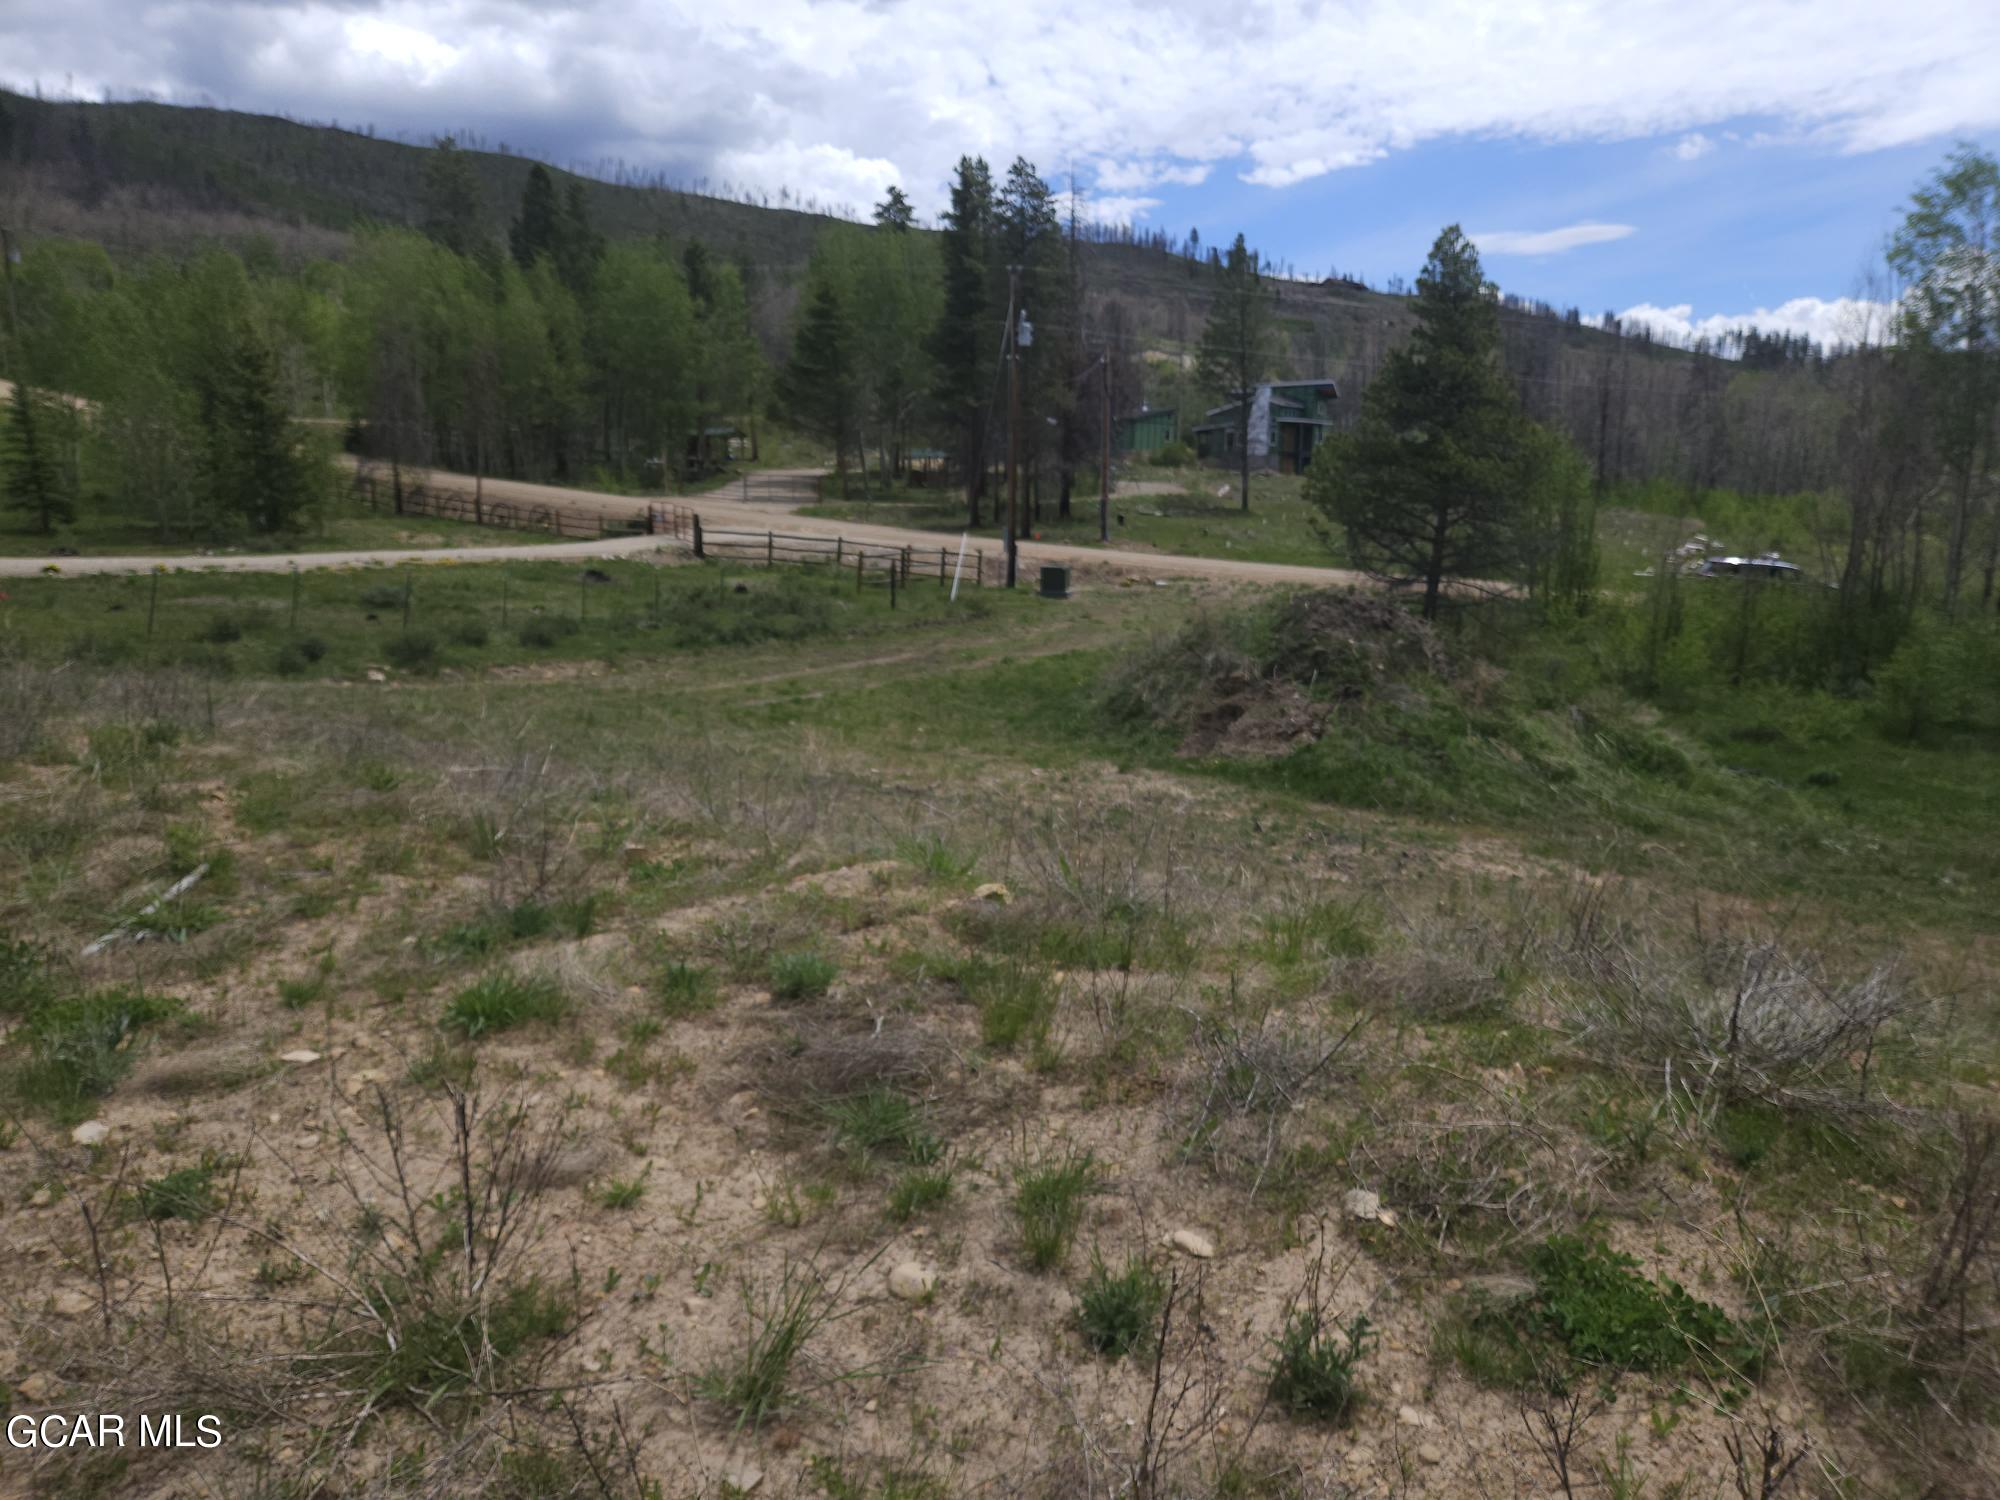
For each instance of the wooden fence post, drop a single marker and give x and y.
(859, 559)
(770, 549)
(839, 543)
(292, 625)
(697, 538)
(940, 567)
(892, 580)
(152, 604)
(406, 603)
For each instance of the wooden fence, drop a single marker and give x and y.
(660, 518)
(907, 565)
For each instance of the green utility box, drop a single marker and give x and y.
(1055, 580)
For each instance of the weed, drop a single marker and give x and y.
(502, 1000)
(936, 859)
(623, 1192)
(882, 1122)
(1048, 1201)
(1117, 1310)
(1309, 934)
(427, 1343)
(1595, 1302)
(1016, 1003)
(683, 989)
(802, 975)
(412, 652)
(920, 1189)
(444, 1065)
(780, 1323)
(24, 978)
(1313, 1369)
(77, 1049)
(187, 1194)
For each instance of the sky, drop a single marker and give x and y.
(1698, 164)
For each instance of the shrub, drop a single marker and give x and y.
(427, 1342)
(503, 1000)
(382, 596)
(470, 632)
(24, 980)
(545, 630)
(311, 647)
(222, 630)
(1595, 1302)
(801, 976)
(1116, 1311)
(413, 651)
(290, 661)
(1015, 1003)
(1174, 455)
(1048, 1201)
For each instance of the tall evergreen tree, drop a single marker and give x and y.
(1029, 238)
(538, 226)
(578, 247)
(1235, 344)
(894, 211)
(258, 464)
(454, 206)
(34, 479)
(1443, 476)
(964, 343)
(820, 386)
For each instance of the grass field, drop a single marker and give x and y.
(761, 1041)
(1193, 520)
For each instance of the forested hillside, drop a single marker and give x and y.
(143, 178)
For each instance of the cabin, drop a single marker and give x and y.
(1289, 419)
(1143, 431)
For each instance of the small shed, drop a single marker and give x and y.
(1144, 431)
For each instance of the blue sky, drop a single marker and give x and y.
(1704, 161)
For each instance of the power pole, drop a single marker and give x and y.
(1016, 316)
(1104, 458)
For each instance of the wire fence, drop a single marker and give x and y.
(905, 566)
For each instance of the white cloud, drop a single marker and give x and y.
(1546, 241)
(1112, 208)
(1841, 320)
(1156, 90)
(1693, 146)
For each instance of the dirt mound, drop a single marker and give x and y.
(1349, 643)
(1264, 684)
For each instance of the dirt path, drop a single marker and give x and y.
(717, 510)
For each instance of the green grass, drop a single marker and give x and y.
(801, 976)
(1116, 1310)
(462, 617)
(1191, 521)
(187, 1194)
(427, 1343)
(683, 989)
(919, 1190)
(73, 1052)
(1048, 1204)
(880, 1122)
(755, 1382)
(502, 1001)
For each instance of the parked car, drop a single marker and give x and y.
(1769, 566)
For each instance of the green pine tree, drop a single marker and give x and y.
(1235, 344)
(963, 342)
(1444, 476)
(34, 478)
(259, 467)
(820, 387)
(539, 224)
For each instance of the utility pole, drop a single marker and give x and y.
(1104, 458)
(1017, 318)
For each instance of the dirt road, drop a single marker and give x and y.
(717, 510)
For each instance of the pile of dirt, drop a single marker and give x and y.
(1264, 684)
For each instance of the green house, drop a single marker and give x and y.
(1143, 431)
(1288, 420)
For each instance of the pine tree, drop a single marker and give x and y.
(1444, 476)
(455, 208)
(1234, 352)
(820, 387)
(34, 479)
(964, 341)
(894, 211)
(259, 468)
(538, 227)
(578, 247)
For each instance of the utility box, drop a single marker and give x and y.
(1055, 581)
